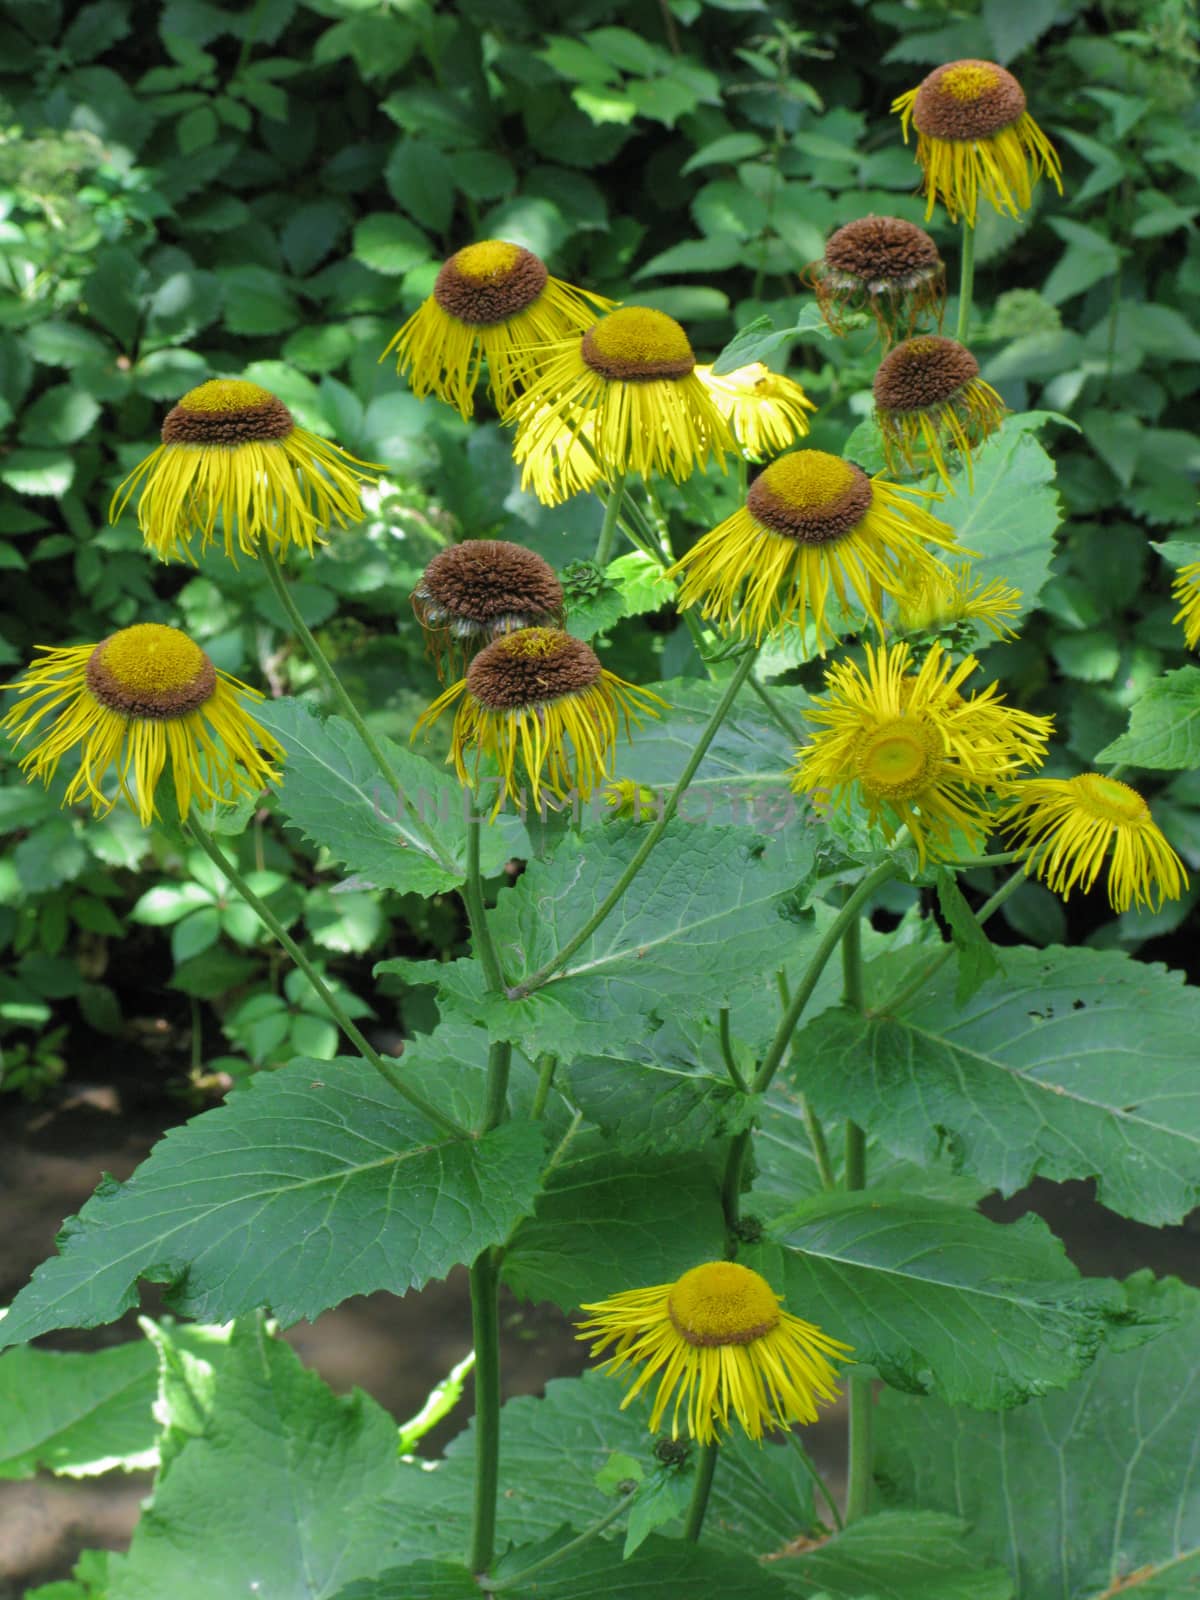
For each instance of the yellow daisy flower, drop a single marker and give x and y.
(813, 524)
(1069, 824)
(233, 455)
(944, 597)
(928, 394)
(539, 699)
(629, 389)
(883, 265)
(1186, 591)
(723, 1346)
(975, 139)
(494, 302)
(483, 587)
(139, 699)
(917, 753)
(766, 411)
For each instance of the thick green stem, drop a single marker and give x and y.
(861, 1394)
(810, 1467)
(731, 1185)
(705, 1467)
(273, 925)
(966, 281)
(897, 1002)
(608, 528)
(519, 1579)
(546, 1064)
(485, 1325)
(617, 892)
(820, 1146)
(472, 893)
(776, 711)
(731, 1066)
(829, 943)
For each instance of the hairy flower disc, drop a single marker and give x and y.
(232, 458)
(483, 587)
(928, 394)
(814, 529)
(976, 139)
(623, 397)
(141, 699)
(766, 411)
(719, 1342)
(916, 751)
(1068, 825)
(539, 699)
(883, 265)
(493, 302)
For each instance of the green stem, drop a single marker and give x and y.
(792, 729)
(829, 943)
(966, 281)
(472, 892)
(861, 1396)
(273, 925)
(731, 1065)
(608, 529)
(820, 1146)
(897, 1002)
(731, 1185)
(862, 1401)
(617, 892)
(705, 1468)
(589, 1533)
(810, 1467)
(546, 1064)
(485, 1325)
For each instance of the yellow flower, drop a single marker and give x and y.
(1186, 591)
(628, 389)
(630, 801)
(975, 139)
(539, 699)
(1069, 823)
(916, 751)
(883, 265)
(928, 392)
(946, 596)
(483, 587)
(233, 455)
(139, 699)
(494, 302)
(766, 411)
(723, 1346)
(812, 525)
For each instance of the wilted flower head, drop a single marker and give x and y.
(724, 1348)
(883, 265)
(1068, 825)
(494, 302)
(813, 526)
(975, 138)
(944, 597)
(541, 700)
(628, 391)
(929, 395)
(141, 698)
(767, 411)
(483, 587)
(232, 456)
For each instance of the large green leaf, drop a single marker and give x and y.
(897, 1555)
(608, 1222)
(75, 1413)
(411, 839)
(1011, 514)
(1164, 725)
(271, 1485)
(940, 1300)
(1074, 1064)
(311, 1184)
(1082, 1494)
(700, 920)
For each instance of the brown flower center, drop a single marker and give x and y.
(923, 373)
(531, 667)
(883, 250)
(489, 282)
(150, 671)
(636, 345)
(483, 580)
(967, 100)
(810, 496)
(227, 411)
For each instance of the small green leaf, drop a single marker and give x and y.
(1164, 725)
(62, 415)
(257, 300)
(977, 960)
(76, 1414)
(760, 339)
(390, 244)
